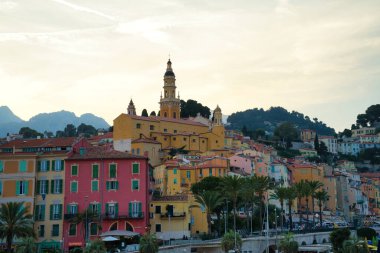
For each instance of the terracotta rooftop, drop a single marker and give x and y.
(40, 143)
(102, 153)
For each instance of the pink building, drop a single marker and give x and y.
(242, 162)
(113, 186)
(260, 167)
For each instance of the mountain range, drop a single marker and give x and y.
(51, 122)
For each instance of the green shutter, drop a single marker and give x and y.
(62, 165)
(116, 209)
(108, 183)
(36, 212)
(1, 166)
(61, 186)
(74, 186)
(26, 187)
(17, 187)
(139, 208)
(52, 165)
(47, 187)
(38, 165)
(130, 209)
(52, 186)
(135, 169)
(94, 185)
(51, 212)
(112, 172)
(107, 207)
(22, 166)
(47, 165)
(60, 211)
(38, 191)
(95, 171)
(117, 185)
(68, 209)
(42, 212)
(74, 170)
(99, 208)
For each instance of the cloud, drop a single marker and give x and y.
(7, 5)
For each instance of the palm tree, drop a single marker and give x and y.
(288, 245)
(210, 200)
(280, 194)
(80, 218)
(96, 246)
(15, 221)
(232, 187)
(307, 193)
(263, 185)
(27, 245)
(314, 186)
(322, 197)
(148, 244)
(290, 197)
(250, 189)
(300, 193)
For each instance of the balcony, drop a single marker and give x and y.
(175, 215)
(123, 215)
(69, 216)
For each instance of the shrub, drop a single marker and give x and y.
(368, 233)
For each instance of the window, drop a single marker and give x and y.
(41, 231)
(39, 214)
(175, 131)
(165, 130)
(56, 212)
(73, 230)
(135, 184)
(74, 170)
(188, 174)
(151, 127)
(135, 168)
(22, 166)
(138, 151)
(22, 187)
(158, 227)
(72, 208)
(184, 138)
(165, 139)
(95, 208)
(175, 181)
(43, 165)
(194, 140)
(55, 230)
(1, 166)
(95, 171)
(135, 209)
(74, 186)
(112, 170)
(57, 186)
(42, 186)
(210, 171)
(138, 125)
(94, 228)
(158, 209)
(112, 209)
(112, 185)
(175, 171)
(94, 185)
(174, 138)
(58, 165)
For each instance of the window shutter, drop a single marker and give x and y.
(99, 208)
(116, 209)
(36, 212)
(117, 185)
(61, 186)
(108, 185)
(60, 211)
(17, 187)
(52, 186)
(38, 165)
(130, 209)
(42, 212)
(47, 187)
(140, 208)
(52, 165)
(62, 165)
(47, 165)
(26, 187)
(38, 190)
(68, 209)
(107, 208)
(51, 212)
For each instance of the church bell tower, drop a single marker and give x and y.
(170, 105)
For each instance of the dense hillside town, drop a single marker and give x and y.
(184, 178)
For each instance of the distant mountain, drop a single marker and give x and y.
(51, 122)
(274, 116)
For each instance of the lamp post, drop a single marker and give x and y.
(86, 221)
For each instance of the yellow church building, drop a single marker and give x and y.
(192, 134)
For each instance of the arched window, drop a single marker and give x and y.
(128, 227)
(174, 115)
(113, 226)
(165, 114)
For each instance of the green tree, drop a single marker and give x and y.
(263, 185)
(80, 219)
(290, 197)
(153, 113)
(288, 245)
(355, 246)
(228, 241)
(144, 113)
(366, 233)
(86, 130)
(28, 133)
(232, 187)
(211, 200)
(287, 133)
(300, 193)
(191, 108)
(337, 237)
(148, 244)
(280, 193)
(316, 143)
(314, 186)
(15, 221)
(70, 131)
(206, 184)
(322, 197)
(346, 132)
(27, 245)
(96, 246)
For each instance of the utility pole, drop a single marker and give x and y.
(267, 225)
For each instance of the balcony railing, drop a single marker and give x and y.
(173, 215)
(69, 216)
(123, 215)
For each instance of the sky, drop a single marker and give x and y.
(321, 58)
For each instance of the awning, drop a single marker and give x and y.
(124, 233)
(109, 239)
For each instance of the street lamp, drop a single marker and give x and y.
(86, 221)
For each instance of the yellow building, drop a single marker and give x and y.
(34, 172)
(168, 129)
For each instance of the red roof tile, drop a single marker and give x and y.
(40, 143)
(102, 153)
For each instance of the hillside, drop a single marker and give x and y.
(269, 119)
(51, 122)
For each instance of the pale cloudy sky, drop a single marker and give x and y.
(321, 58)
